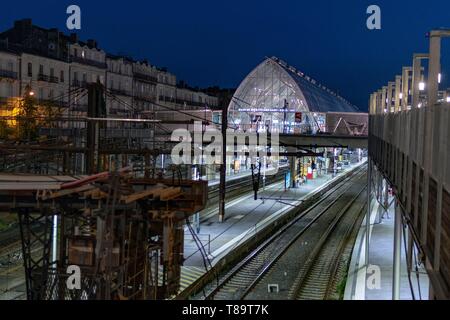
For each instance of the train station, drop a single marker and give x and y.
(119, 181)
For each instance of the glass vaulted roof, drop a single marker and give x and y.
(278, 96)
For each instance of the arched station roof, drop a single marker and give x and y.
(275, 92)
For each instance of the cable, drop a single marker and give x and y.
(406, 256)
(417, 273)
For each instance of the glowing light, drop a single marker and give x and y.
(439, 78)
(400, 96)
(31, 93)
(420, 105)
(448, 99)
(421, 86)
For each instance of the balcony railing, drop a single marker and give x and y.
(52, 79)
(79, 108)
(145, 77)
(145, 98)
(8, 74)
(181, 102)
(121, 92)
(79, 84)
(98, 64)
(54, 103)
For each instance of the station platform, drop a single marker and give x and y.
(360, 280)
(245, 217)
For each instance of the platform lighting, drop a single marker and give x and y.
(421, 86)
(400, 96)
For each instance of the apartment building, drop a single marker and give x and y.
(58, 68)
(9, 80)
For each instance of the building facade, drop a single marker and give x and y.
(57, 68)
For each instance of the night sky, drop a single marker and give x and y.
(218, 42)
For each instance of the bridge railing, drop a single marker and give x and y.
(412, 150)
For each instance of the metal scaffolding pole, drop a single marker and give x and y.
(397, 253)
(223, 166)
(369, 193)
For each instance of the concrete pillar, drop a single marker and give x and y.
(383, 99)
(398, 91)
(390, 91)
(293, 170)
(405, 87)
(417, 77)
(397, 253)
(371, 103)
(379, 105)
(434, 67)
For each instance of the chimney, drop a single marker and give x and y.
(24, 23)
(92, 43)
(73, 38)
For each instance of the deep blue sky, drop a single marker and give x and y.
(219, 42)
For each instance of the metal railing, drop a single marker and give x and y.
(8, 74)
(145, 77)
(46, 78)
(98, 64)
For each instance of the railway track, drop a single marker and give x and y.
(243, 278)
(320, 275)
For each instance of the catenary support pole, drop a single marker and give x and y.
(223, 166)
(397, 253)
(369, 193)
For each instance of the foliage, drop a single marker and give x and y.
(32, 116)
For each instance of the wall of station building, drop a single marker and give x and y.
(411, 149)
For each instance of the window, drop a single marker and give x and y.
(30, 69)
(75, 76)
(41, 93)
(52, 72)
(84, 78)
(61, 76)
(41, 69)
(9, 89)
(75, 52)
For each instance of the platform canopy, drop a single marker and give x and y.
(278, 97)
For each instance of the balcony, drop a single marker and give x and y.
(53, 103)
(121, 92)
(145, 98)
(89, 62)
(79, 84)
(8, 74)
(51, 79)
(182, 102)
(79, 108)
(145, 77)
